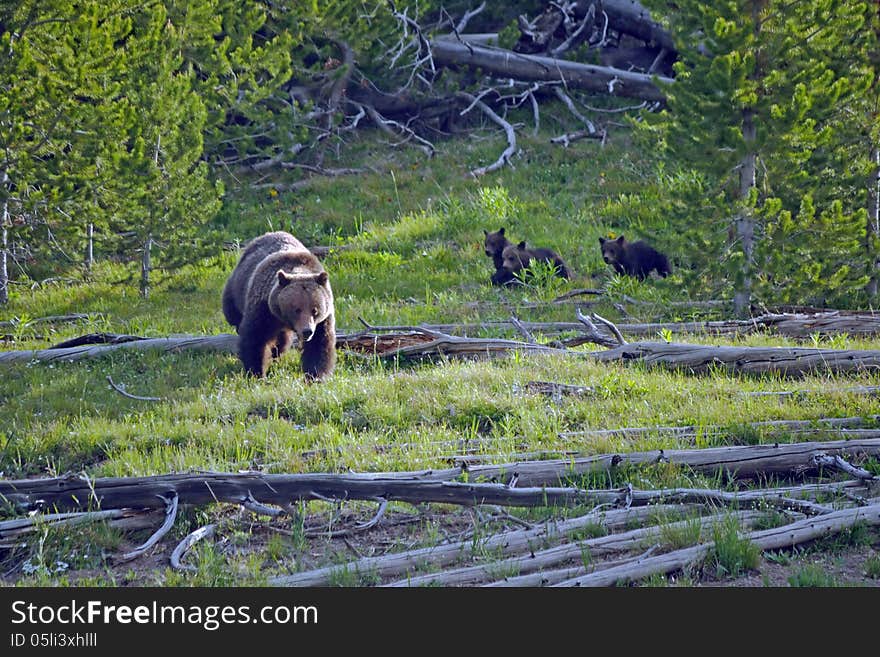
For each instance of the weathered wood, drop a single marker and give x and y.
(686, 432)
(536, 68)
(784, 361)
(405, 344)
(282, 489)
(127, 519)
(148, 492)
(225, 343)
(504, 543)
(96, 338)
(769, 539)
(741, 462)
(540, 559)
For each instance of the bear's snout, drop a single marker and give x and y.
(307, 333)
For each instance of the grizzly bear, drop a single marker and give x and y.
(633, 258)
(519, 257)
(279, 287)
(494, 244)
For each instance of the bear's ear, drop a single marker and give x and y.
(485, 232)
(322, 278)
(521, 245)
(283, 278)
(501, 231)
(601, 240)
(619, 240)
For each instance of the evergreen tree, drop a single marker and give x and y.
(753, 106)
(62, 122)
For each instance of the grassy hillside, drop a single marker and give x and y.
(410, 237)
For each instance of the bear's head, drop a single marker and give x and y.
(516, 257)
(495, 242)
(612, 250)
(301, 302)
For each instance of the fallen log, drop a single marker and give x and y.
(537, 68)
(73, 493)
(224, 343)
(126, 519)
(735, 462)
(505, 543)
(691, 432)
(537, 560)
(770, 539)
(415, 343)
(784, 361)
(208, 488)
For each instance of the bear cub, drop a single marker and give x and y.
(494, 244)
(277, 288)
(633, 258)
(519, 257)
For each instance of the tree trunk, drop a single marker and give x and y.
(90, 248)
(4, 247)
(145, 268)
(872, 233)
(508, 64)
(745, 223)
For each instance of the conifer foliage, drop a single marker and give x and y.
(775, 103)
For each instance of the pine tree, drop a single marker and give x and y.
(752, 107)
(62, 121)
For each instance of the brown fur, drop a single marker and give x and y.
(633, 258)
(279, 288)
(519, 257)
(494, 244)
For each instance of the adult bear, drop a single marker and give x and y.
(279, 287)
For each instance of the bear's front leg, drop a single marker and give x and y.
(319, 353)
(256, 339)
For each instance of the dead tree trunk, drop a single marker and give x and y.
(786, 361)
(740, 462)
(536, 68)
(872, 234)
(4, 247)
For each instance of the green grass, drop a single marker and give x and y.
(412, 234)
(732, 555)
(812, 576)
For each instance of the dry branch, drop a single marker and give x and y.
(171, 505)
(508, 130)
(769, 539)
(191, 539)
(121, 391)
(128, 519)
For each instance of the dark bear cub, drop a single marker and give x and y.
(494, 245)
(277, 288)
(519, 257)
(633, 258)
